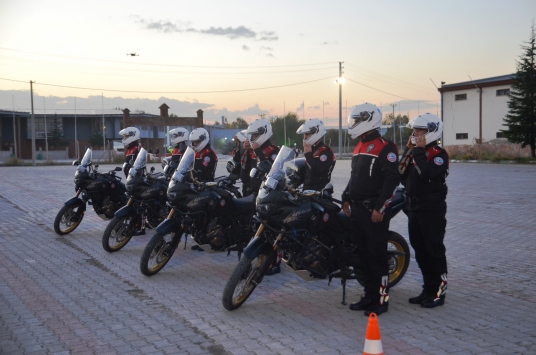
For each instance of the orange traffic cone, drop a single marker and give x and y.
(373, 340)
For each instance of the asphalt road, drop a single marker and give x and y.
(66, 295)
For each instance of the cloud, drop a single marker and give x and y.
(246, 48)
(326, 103)
(328, 43)
(314, 107)
(229, 32)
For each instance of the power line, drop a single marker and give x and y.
(173, 92)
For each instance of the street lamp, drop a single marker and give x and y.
(340, 81)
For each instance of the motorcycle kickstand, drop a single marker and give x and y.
(185, 239)
(343, 283)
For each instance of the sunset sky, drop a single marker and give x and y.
(245, 58)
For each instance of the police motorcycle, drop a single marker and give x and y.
(104, 191)
(312, 232)
(213, 213)
(146, 206)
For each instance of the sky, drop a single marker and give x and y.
(246, 58)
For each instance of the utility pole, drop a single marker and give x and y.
(394, 124)
(340, 109)
(33, 125)
(284, 122)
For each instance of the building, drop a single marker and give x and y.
(474, 111)
(79, 127)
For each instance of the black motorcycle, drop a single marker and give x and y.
(104, 191)
(311, 231)
(146, 207)
(211, 212)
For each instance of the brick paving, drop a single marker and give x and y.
(66, 295)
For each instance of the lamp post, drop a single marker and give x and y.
(394, 124)
(340, 81)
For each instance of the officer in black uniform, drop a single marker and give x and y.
(259, 133)
(373, 179)
(424, 169)
(319, 157)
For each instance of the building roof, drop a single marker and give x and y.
(486, 82)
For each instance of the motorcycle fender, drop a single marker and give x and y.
(167, 226)
(256, 247)
(76, 201)
(124, 211)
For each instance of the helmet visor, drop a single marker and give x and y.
(362, 116)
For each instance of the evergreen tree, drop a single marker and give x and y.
(56, 139)
(96, 139)
(292, 123)
(521, 117)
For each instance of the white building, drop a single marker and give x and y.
(474, 111)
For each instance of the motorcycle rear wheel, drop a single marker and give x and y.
(118, 233)
(158, 252)
(64, 222)
(245, 277)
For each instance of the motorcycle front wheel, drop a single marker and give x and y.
(67, 220)
(118, 233)
(245, 277)
(399, 254)
(158, 252)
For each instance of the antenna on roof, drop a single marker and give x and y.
(434, 84)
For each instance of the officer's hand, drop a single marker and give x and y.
(409, 144)
(420, 141)
(307, 148)
(377, 217)
(255, 145)
(246, 144)
(346, 208)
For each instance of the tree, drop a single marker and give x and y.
(521, 117)
(401, 121)
(292, 123)
(240, 123)
(96, 138)
(56, 139)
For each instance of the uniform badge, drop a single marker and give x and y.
(438, 160)
(274, 156)
(323, 157)
(426, 154)
(222, 203)
(391, 157)
(370, 147)
(325, 217)
(207, 159)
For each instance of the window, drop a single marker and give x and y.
(40, 127)
(460, 97)
(499, 135)
(503, 92)
(462, 135)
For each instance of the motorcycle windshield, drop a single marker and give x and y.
(139, 163)
(86, 160)
(284, 160)
(186, 164)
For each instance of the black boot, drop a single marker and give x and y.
(420, 298)
(377, 308)
(380, 304)
(432, 302)
(364, 303)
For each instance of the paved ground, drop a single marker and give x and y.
(66, 295)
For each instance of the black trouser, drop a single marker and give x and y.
(371, 239)
(426, 228)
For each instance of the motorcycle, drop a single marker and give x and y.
(104, 191)
(213, 213)
(146, 206)
(311, 231)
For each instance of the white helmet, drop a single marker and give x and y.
(315, 128)
(364, 118)
(430, 122)
(242, 135)
(200, 138)
(178, 135)
(130, 134)
(259, 131)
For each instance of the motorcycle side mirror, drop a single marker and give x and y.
(152, 169)
(328, 190)
(96, 166)
(117, 168)
(265, 166)
(76, 162)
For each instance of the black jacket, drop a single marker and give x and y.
(320, 163)
(374, 172)
(205, 164)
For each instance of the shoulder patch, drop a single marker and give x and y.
(323, 157)
(391, 157)
(438, 161)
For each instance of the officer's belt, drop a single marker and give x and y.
(413, 200)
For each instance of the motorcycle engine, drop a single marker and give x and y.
(107, 208)
(215, 235)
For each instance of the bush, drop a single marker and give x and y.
(487, 151)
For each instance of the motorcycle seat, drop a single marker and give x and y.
(244, 204)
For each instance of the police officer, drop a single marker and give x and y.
(373, 179)
(424, 169)
(131, 136)
(259, 133)
(205, 158)
(319, 157)
(179, 137)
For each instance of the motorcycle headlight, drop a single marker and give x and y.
(266, 208)
(172, 195)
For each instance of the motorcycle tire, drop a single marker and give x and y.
(398, 264)
(118, 233)
(64, 223)
(245, 277)
(158, 252)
